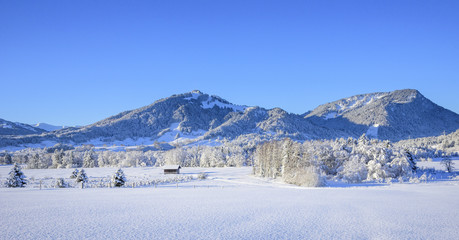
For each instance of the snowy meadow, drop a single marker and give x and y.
(230, 203)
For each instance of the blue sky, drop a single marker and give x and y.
(77, 62)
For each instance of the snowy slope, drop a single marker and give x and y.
(229, 205)
(48, 127)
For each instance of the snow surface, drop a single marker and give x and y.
(373, 131)
(358, 101)
(330, 115)
(42, 144)
(230, 204)
(170, 136)
(4, 125)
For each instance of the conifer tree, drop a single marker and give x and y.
(411, 160)
(16, 178)
(118, 178)
(74, 173)
(82, 177)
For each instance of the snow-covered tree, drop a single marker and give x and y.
(74, 174)
(89, 160)
(16, 178)
(58, 158)
(68, 160)
(118, 179)
(7, 159)
(411, 160)
(81, 177)
(33, 161)
(354, 170)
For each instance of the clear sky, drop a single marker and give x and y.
(77, 62)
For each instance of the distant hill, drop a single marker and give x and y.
(14, 128)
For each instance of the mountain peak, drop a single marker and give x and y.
(389, 115)
(196, 91)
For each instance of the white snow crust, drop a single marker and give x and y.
(229, 204)
(373, 131)
(354, 102)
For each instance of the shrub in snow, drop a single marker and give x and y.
(82, 177)
(305, 177)
(414, 180)
(389, 180)
(74, 174)
(423, 177)
(60, 183)
(16, 178)
(118, 178)
(202, 176)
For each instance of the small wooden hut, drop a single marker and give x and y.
(171, 169)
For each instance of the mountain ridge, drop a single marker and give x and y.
(195, 116)
(398, 114)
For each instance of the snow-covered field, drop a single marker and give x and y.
(229, 204)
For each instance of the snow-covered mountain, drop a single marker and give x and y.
(195, 116)
(48, 127)
(396, 115)
(14, 128)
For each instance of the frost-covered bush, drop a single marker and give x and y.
(414, 180)
(16, 178)
(202, 176)
(119, 179)
(60, 183)
(305, 177)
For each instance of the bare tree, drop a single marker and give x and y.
(448, 163)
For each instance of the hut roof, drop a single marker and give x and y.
(175, 167)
